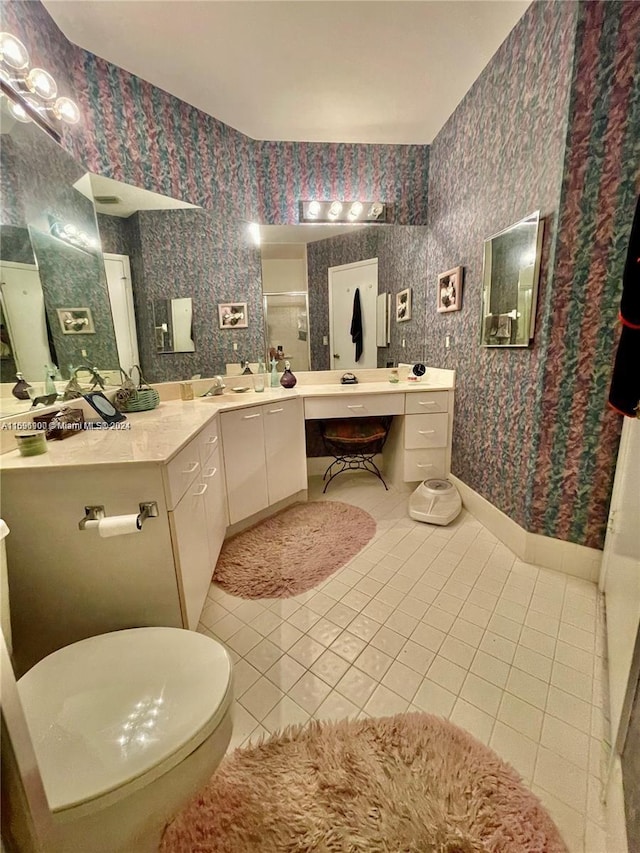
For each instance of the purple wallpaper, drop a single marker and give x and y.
(498, 158)
(177, 253)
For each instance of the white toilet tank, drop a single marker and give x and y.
(5, 619)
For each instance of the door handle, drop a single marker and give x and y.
(426, 431)
(427, 403)
(212, 439)
(359, 406)
(335, 355)
(275, 411)
(211, 473)
(201, 491)
(249, 417)
(192, 468)
(425, 465)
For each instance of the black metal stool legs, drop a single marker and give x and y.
(352, 462)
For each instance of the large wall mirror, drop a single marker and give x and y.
(298, 262)
(510, 284)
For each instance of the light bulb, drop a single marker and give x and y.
(41, 83)
(12, 52)
(314, 209)
(375, 210)
(355, 210)
(19, 113)
(335, 210)
(66, 110)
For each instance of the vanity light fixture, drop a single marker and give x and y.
(31, 94)
(344, 211)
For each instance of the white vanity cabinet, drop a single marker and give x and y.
(426, 435)
(264, 456)
(198, 520)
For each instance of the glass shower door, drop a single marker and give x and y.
(286, 317)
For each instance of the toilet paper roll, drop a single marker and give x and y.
(118, 525)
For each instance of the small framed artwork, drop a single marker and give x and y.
(403, 305)
(450, 290)
(76, 321)
(233, 315)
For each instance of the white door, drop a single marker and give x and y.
(343, 282)
(23, 305)
(124, 317)
(620, 578)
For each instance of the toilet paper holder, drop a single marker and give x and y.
(148, 509)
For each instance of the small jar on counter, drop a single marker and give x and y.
(32, 443)
(186, 391)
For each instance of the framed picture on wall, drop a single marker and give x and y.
(76, 321)
(450, 290)
(403, 305)
(233, 315)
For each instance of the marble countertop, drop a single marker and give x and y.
(155, 437)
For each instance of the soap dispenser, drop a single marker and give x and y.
(49, 379)
(21, 389)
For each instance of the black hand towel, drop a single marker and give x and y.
(356, 324)
(624, 394)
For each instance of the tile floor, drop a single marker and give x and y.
(444, 620)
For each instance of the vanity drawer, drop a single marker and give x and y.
(426, 430)
(353, 406)
(209, 440)
(424, 464)
(181, 472)
(426, 402)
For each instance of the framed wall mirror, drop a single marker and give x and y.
(510, 276)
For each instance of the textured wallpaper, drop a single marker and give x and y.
(498, 158)
(179, 253)
(289, 172)
(577, 437)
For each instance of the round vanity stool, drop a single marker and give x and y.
(126, 728)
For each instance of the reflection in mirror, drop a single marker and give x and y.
(296, 259)
(50, 261)
(510, 284)
(173, 324)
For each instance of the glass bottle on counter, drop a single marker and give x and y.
(287, 380)
(258, 379)
(275, 378)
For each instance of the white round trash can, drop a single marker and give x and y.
(435, 502)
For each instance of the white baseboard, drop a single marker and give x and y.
(576, 560)
(616, 819)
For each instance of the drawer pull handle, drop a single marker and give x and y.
(425, 465)
(212, 440)
(203, 488)
(275, 411)
(191, 468)
(426, 431)
(210, 473)
(427, 402)
(249, 417)
(359, 406)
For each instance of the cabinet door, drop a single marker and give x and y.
(215, 502)
(285, 449)
(191, 551)
(244, 462)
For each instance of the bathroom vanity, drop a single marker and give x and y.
(212, 466)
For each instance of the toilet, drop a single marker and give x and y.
(126, 727)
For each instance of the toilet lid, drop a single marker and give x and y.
(111, 708)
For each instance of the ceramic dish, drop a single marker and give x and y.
(241, 389)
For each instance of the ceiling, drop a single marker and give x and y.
(130, 199)
(387, 71)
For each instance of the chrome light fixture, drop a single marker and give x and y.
(32, 94)
(344, 211)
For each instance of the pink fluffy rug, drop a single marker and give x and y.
(294, 550)
(413, 783)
